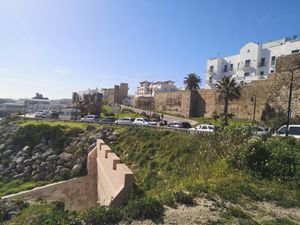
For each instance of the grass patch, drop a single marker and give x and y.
(17, 186)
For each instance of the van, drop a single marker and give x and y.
(294, 131)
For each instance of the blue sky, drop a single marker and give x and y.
(59, 46)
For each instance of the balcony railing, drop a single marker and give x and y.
(261, 64)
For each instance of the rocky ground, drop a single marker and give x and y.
(43, 163)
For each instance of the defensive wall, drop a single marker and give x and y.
(271, 95)
(109, 182)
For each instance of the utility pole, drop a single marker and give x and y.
(289, 112)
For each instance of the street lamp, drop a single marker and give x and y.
(290, 100)
(253, 99)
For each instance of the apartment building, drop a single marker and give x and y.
(254, 62)
(149, 89)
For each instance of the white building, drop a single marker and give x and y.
(149, 89)
(254, 62)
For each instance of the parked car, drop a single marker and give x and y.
(41, 115)
(259, 131)
(204, 128)
(125, 120)
(144, 122)
(294, 131)
(179, 124)
(91, 118)
(108, 120)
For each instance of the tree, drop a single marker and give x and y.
(192, 81)
(228, 90)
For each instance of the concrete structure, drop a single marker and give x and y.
(254, 62)
(35, 105)
(12, 107)
(108, 182)
(116, 94)
(149, 89)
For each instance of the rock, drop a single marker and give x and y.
(27, 162)
(2, 147)
(65, 156)
(90, 128)
(19, 168)
(48, 152)
(19, 159)
(90, 148)
(65, 172)
(40, 148)
(76, 169)
(26, 149)
(7, 153)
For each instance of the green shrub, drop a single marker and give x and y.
(102, 216)
(143, 208)
(183, 198)
(274, 158)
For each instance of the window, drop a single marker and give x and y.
(211, 69)
(273, 60)
(238, 65)
(247, 63)
(231, 67)
(282, 130)
(295, 51)
(246, 74)
(204, 127)
(294, 131)
(225, 69)
(262, 62)
(272, 71)
(262, 72)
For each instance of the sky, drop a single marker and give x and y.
(56, 47)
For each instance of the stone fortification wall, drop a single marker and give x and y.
(108, 182)
(272, 92)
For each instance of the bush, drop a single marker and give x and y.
(102, 215)
(143, 208)
(274, 158)
(183, 198)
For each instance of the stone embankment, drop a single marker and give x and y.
(42, 162)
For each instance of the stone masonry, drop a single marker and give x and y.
(272, 92)
(108, 182)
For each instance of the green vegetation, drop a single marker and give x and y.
(17, 186)
(173, 168)
(192, 81)
(228, 90)
(32, 135)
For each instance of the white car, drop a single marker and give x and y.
(294, 131)
(144, 122)
(124, 120)
(204, 128)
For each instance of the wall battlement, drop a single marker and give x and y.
(109, 182)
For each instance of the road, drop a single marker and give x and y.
(166, 117)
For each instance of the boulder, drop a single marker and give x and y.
(65, 156)
(2, 147)
(76, 169)
(65, 172)
(47, 153)
(7, 153)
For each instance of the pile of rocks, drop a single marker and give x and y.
(42, 162)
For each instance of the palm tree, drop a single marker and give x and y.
(228, 90)
(192, 81)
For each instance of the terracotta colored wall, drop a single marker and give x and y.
(108, 182)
